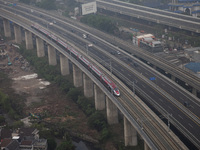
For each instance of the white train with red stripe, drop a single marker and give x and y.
(98, 74)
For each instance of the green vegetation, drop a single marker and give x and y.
(11, 105)
(86, 105)
(52, 73)
(17, 124)
(47, 4)
(25, 1)
(100, 22)
(98, 121)
(66, 144)
(140, 2)
(2, 120)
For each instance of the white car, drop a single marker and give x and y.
(84, 36)
(118, 52)
(90, 45)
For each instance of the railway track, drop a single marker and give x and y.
(184, 75)
(155, 140)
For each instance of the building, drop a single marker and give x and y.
(193, 53)
(148, 42)
(194, 67)
(189, 7)
(22, 139)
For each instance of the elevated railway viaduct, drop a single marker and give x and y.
(153, 131)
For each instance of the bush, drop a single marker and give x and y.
(17, 124)
(105, 134)
(86, 105)
(66, 145)
(100, 22)
(97, 121)
(2, 120)
(47, 4)
(73, 94)
(51, 143)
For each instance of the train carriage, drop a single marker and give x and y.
(98, 74)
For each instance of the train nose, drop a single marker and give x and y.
(117, 93)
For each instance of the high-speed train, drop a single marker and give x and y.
(109, 84)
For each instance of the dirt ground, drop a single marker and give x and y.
(42, 96)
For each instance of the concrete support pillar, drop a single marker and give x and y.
(29, 40)
(18, 34)
(130, 134)
(88, 86)
(6, 26)
(40, 47)
(64, 65)
(173, 78)
(99, 98)
(77, 76)
(194, 91)
(146, 147)
(52, 55)
(112, 112)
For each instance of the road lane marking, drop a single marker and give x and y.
(180, 116)
(152, 92)
(169, 107)
(143, 86)
(190, 125)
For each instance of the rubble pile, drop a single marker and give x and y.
(22, 62)
(10, 60)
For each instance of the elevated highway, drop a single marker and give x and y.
(159, 16)
(159, 138)
(155, 15)
(79, 34)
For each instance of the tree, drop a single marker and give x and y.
(25, 1)
(97, 121)
(17, 124)
(105, 134)
(100, 22)
(66, 145)
(86, 105)
(51, 144)
(74, 93)
(48, 4)
(2, 120)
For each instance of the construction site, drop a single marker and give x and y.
(41, 97)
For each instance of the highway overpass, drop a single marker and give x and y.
(151, 14)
